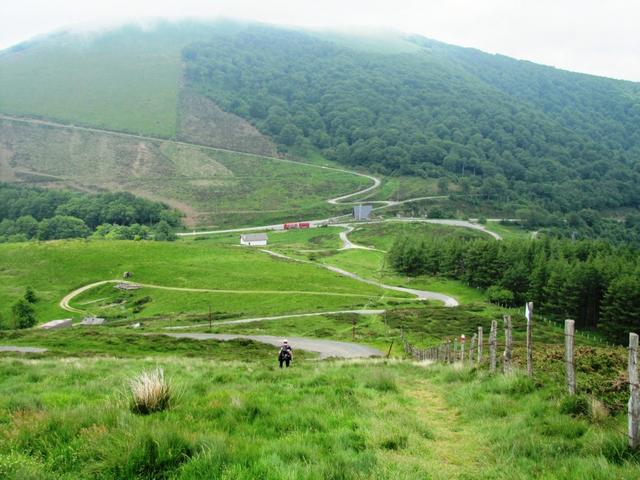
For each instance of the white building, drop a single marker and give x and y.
(254, 239)
(362, 212)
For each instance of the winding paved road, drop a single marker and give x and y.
(325, 348)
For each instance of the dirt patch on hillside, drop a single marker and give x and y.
(193, 162)
(202, 121)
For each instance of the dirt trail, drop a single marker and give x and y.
(421, 294)
(9, 348)
(325, 348)
(277, 317)
(64, 303)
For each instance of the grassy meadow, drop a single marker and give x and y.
(383, 235)
(98, 80)
(233, 414)
(246, 419)
(54, 269)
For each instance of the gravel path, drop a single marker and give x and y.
(421, 294)
(325, 348)
(64, 303)
(278, 317)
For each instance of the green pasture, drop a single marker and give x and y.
(383, 235)
(373, 264)
(122, 80)
(404, 188)
(54, 269)
(341, 420)
(304, 239)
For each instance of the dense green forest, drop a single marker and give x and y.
(592, 282)
(32, 213)
(514, 133)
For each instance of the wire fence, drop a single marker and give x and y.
(462, 350)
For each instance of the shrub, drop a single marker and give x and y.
(150, 392)
(382, 383)
(500, 296)
(395, 442)
(576, 405)
(30, 295)
(156, 456)
(23, 314)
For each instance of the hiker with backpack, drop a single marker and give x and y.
(286, 354)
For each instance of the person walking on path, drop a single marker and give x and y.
(286, 354)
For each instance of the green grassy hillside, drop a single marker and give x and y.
(121, 80)
(54, 269)
(245, 419)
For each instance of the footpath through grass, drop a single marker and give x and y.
(316, 420)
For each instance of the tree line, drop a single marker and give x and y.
(593, 282)
(28, 213)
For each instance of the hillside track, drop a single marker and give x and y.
(242, 321)
(324, 348)
(420, 294)
(64, 303)
(334, 201)
(340, 200)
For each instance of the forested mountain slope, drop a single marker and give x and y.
(514, 129)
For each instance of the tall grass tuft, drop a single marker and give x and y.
(150, 392)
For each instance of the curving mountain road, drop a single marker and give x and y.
(333, 201)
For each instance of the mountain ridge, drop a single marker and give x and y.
(519, 133)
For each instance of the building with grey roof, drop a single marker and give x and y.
(254, 239)
(362, 212)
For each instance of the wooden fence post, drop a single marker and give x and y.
(462, 348)
(472, 348)
(530, 339)
(493, 345)
(455, 349)
(508, 344)
(634, 398)
(480, 340)
(569, 332)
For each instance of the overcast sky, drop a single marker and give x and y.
(593, 36)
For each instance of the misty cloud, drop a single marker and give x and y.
(588, 35)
